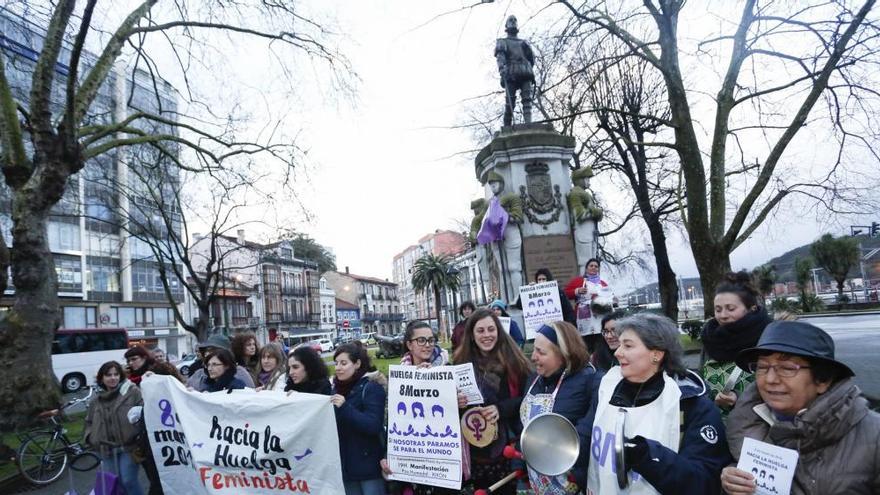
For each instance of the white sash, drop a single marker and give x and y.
(658, 421)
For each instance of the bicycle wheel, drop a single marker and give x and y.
(42, 458)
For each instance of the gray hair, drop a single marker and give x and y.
(658, 333)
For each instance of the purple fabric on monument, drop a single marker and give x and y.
(494, 223)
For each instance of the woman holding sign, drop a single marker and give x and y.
(671, 434)
(805, 400)
(422, 351)
(594, 300)
(565, 384)
(360, 421)
(501, 371)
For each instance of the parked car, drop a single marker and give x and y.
(184, 363)
(313, 344)
(369, 338)
(342, 339)
(326, 345)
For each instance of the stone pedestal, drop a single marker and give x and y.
(532, 163)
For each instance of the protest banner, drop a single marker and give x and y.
(540, 305)
(245, 442)
(773, 467)
(505, 323)
(466, 383)
(424, 433)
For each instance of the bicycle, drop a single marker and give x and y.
(45, 454)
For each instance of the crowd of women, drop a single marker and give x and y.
(774, 381)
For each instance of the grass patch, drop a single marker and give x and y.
(690, 344)
(74, 425)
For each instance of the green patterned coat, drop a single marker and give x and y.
(716, 373)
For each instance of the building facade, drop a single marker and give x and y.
(328, 309)
(106, 277)
(286, 295)
(348, 320)
(440, 243)
(376, 299)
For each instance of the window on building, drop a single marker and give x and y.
(286, 253)
(143, 317)
(68, 269)
(63, 236)
(80, 317)
(102, 274)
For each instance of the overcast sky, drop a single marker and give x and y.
(387, 166)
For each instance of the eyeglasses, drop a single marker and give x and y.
(424, 340)
(609, 333)
(786, 370)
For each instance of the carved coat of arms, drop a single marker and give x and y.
(543, 198)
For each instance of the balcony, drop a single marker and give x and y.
(245, 321)
(383, 317)
(295, 291)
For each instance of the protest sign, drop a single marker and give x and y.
(505, 323)
(540, 305)
(424, 434)
(246, 442)
(466, 383)
(773, 467)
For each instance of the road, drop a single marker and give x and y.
(857, 344)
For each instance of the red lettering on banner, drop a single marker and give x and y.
(220, 481)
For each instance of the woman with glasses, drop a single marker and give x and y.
(673, 436)
(501, 371)
(804, 399)
(422, 351)
(221, 368)
(738, 324)
(603, 357)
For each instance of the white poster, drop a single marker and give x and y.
(540, 305)
(466, 383)
(246, 442)
(773, 467)
(424, 437)
(505, 323)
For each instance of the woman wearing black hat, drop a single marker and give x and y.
(804, 399)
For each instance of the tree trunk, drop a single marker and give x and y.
(712, 264)
(440, 326)
(202, 329)
(840, 289)
(666, 282)
(27, 332)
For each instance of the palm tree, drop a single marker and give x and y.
(432, 272)
(764, 278)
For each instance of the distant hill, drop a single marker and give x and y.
(784, 264)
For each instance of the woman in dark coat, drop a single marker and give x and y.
(360, 421)
(221, 368)
(564, 383)
(603, 356)
(306, 372)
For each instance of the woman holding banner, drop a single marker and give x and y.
(307, 372)
(501, 371)
(271, 374)
(360, 421)
(672, 435)
(221, 368)
(565, 384)
(594, 300)
(108, 429)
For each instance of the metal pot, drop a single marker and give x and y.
(619, 458)
(550, 444)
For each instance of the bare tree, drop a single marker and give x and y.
(50, 129)
(783, 59)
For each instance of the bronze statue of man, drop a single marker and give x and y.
(515, 61)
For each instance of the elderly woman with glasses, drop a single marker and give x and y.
(673, 436)
(804, 399)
